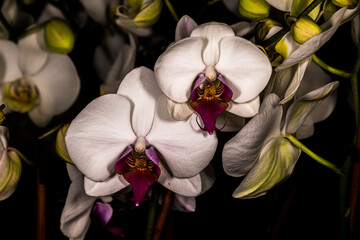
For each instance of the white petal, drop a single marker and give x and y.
(9, 61)
(58, 85)
(184, 27)
(308, 84)
(177, 68)
(245, 68)
(233, 6)
(32, 55)
(99, 134)
(111, 185)
(229, 122)
(306, 130)
(183, 204)
(212, 32)
(243, 28)
(186, 149)
(179, 111)
(350, 13)
(276, 162)
(302, 107)
(307, 49)
(355, 30)
(75, 217)
(50, 11)
(241, 152)
(247, 109)
(97, 9)
(282, 5)
(140, 87)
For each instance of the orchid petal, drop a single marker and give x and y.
(243, 28)
(355, 30)
(183, 204)
(229, 122)
(32, 55)
(10, 168)
(213, 33)
(9, 61)
(239, 63)
(96, 9)
(282, 5)
(308, 84)
(179, 111)
(233, 6)
(276, 162)
(241, 152)
(103, 211)
(247, 109)
(188, 187)
(302, 107)
(58, 85)
(184, 27)
(186, 149)
(99, 134)
(306, 130)
(350, 13)
(308, 48)
(50, 11)
(75, 217)
(286, 82)
(177, 68)
(139, 86)
(109, 186)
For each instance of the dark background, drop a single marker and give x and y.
(305, 206)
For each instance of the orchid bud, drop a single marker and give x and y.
(266, 28)
(2, 115)
(343, 3)
(254, 10)
(149, 14)
(10, 167)
(304, 29)
(60, 145)
(58, 35)
(298, 6)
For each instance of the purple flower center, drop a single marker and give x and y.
(209, 99)
(141, 170)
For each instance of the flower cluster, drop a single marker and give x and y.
(149, 132)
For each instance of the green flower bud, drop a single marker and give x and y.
(266, 28)
(149, 15)
(343, 3)
(58, 36)
(60, 145)
(304, 29)
(329, 10)
(2, 115)
(254, 10)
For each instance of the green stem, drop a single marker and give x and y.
(313, 155)
(354, 80)
(172, 10)
(152, 213)
(330, 69)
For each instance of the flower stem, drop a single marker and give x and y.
(152, 213)
(172, 10)
(330, 69)
(354, 80)
(41, 209)
(313, 155)
(168, 197)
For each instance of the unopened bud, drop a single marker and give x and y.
(148, 15)
(60, 145)
(254, 10)
(59, 37)
(304, 29)
(343, 3)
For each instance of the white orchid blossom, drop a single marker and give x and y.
(262, 151)
(42, 83)
(10, 166)
(211, 71)
(129, 138)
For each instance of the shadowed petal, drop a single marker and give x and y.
(247, 109)
(9, 61)
(184, 27)
(104, 188)
(241, 152)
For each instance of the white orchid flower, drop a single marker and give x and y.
(128, 138)
(262, 150)
(42, 83)
(10, 166)
(76, 216)
(211, 71)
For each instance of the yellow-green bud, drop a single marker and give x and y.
(58, 36)
(2, 115)
(149, 15)
(254, 10)
(343, 3)
(60, 145)
(298, 6)
(266, 28)
(304, 29)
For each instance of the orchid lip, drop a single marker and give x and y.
(209, 99)
(141, 170)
